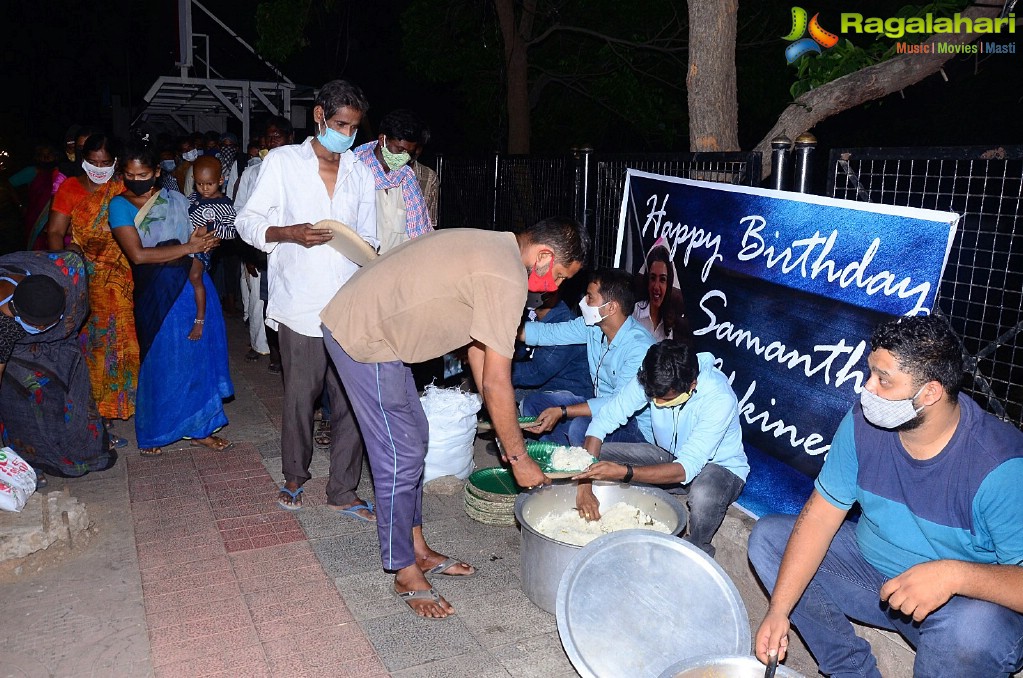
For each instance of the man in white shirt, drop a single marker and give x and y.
(298, 186)
(262, 340)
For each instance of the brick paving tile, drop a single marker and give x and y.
(166, 651)
(346, 642)
(152, 468)
(297, 624)
(283, 578)
(311, 595)
(234, 608)
(175, 506)
(199, 571)
(246, 661)
(179, 530)
(209, 595)
(178, 557)
(187, 583)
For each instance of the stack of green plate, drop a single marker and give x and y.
(490, 496)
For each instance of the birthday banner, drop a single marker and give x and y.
(785, 290)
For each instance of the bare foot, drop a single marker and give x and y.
(430, 559)
(426, 605)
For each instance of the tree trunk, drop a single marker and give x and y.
(516, 63)
(713, 103)
(865, 85)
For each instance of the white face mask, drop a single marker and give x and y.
(191, 155)
(98, 175)
(889, 414)
(591, 314)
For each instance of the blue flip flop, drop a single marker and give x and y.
(353, 511)
(296, 499)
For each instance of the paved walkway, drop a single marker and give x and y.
(193, 570)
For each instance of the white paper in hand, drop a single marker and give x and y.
(349, 243)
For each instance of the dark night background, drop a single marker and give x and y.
(64, 62)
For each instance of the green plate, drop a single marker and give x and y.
(496, 480)
(541, 453)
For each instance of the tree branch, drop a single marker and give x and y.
(652, 45)
(867, 84)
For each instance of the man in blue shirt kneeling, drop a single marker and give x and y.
(697, 440)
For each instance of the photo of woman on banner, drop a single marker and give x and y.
(661, 306)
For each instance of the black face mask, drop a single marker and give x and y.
(140, 186)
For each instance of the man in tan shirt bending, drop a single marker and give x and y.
(423, 299)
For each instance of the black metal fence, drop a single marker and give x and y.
(509, 192)
(981, 291)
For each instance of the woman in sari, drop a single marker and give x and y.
(47, 414)
(181, 383)
(108, 338)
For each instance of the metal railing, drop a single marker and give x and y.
(981, 290)
(510, 192)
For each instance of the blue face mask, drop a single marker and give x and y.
(167, 165)
(334, 141)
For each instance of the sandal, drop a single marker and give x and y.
(294, 500)
(442, 569)
(274, 368)
(252, 356)
(321, 437)
(215, 443)
(429, 594)
(150, 451)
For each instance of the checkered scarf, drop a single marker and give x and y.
(417, 219)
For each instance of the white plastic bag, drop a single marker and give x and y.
(452, 416)
(17, 480)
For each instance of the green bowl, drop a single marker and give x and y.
(541, 453)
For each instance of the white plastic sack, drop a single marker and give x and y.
(17, 480)
(452, 416)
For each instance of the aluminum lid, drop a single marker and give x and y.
(634, 602)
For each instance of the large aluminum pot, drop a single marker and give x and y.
(544, 560)
(724, 667)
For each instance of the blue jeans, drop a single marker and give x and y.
(965, 637)
(573, 431)
(710, 493)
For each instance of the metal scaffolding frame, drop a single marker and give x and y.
(190, 100)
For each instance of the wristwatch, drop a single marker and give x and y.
(628, 473)
(564, 412)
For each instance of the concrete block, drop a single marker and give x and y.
(46, 519)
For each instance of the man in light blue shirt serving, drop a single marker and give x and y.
(615, 346)
(697, 440)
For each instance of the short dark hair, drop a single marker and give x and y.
(145, 154)
(565, 236)
(281, 123)
(668, 366)
(926, 348)
(337, 94)
(616, 285)
(39, 300)
(405, 125)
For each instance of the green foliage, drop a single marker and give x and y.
(812, 71)
(281, 27)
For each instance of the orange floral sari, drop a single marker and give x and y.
(108, 337)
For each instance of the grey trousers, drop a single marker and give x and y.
(306, 369)
(711, 492)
